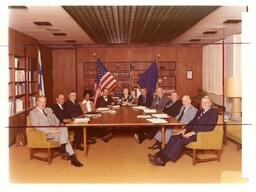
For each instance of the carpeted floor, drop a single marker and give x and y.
(121, 160)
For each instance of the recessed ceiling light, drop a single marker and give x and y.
(71, 41)
(210, 32)
(42, 23)
(60, 34)
(17, 7)
(52, 29)
(232, 21)
(194, 40)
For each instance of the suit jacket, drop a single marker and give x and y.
(204, 123)
(173, 109)
(145, 102)
(84, 106)
(39, 119)
(102, 103)
(161, 104)
(72, 109)
(61, 114)
(188, 115)
(128, 99)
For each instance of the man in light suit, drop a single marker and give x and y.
(205, 120)
(186, 114)
(44, 116)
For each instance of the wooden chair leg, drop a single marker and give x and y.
(49, 156)
(30, 153)
(194, 156)
(218, 154)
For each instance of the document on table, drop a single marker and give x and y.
(157, 121)
(149, 110)
(143, 116)
(139, 107)
(102, 109)
(81, 120)
(160, 115)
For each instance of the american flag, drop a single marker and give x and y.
(103, 80)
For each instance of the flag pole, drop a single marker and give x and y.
(158, 56)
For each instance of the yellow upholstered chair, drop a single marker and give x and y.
(37, 142)
(211, 140)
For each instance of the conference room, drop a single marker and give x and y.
(117, 71)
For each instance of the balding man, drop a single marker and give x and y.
(44, 116)
(160, 100)
(186, 114)
(205, 120)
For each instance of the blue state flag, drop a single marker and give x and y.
(149, 78)
(40, 75)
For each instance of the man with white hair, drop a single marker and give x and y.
(43, 116)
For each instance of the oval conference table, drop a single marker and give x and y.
(124, 116)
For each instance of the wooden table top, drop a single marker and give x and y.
(125, 116)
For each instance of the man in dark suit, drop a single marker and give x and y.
(145, 99)
(63, 116)
(104, 100)
(205, 120)
(105, 133)
(73, 110)
(173, 107)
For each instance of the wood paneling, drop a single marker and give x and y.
(64, 71)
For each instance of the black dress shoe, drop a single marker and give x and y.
(80, 147)
(155, 146)
(108, 137)
(139, 138)
(151, 157)
(75, 162)
(157, 162)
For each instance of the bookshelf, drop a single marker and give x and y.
(22, 84)
(127, 73)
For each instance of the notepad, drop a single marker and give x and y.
(157, 121)
(160, 115)
(81, 120)
(139, 107)
(102, 109)
(143, 116)
(149, 110)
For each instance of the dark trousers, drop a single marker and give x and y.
(147, 132)
(78, 135)
(174, 148)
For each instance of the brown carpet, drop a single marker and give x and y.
(121, 160)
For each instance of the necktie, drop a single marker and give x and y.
(182, 114)
(144, 99)
(157, 101)
(201, 114)
(169, 105)
(44, 113)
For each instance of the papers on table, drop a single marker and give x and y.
(160, 115)
(100, 109)
(143, 116)
(81, 120)
(146, 110)
(93, 115)
(139, 107)
(115, 106)
(157, 121)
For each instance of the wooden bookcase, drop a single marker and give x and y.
(127, 73)
(23, 89)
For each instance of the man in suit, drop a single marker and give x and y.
(186, 114)
(173, 107)
(73, 110)
(160, 100)
(105, 133)
(145, 99)
(104, 100)
(63, 116)
(205, 120)
(43, 116)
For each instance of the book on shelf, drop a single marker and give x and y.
(16, 62)
(32, 101)
(11, 107)
(19, 105)
(20, 89)
(19, 75)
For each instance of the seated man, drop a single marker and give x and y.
(63, 116)
(186, 114)
(86, 105)
(205, 120)
(158, 103)
(172, 108)
(73, 110)
(43, 116)
(145, 99)
(126, 98)
(104, 101)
